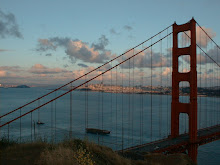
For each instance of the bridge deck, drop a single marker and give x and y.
(204, 136)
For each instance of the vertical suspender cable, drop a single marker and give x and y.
(71, 111)
(132, 115)
(55, 116)
(99, 106)
(116, 108)
(20, 126)
(218, 75)
(151, 101)
(0, 114)
(111, 123)
(167, 85)
(87, 106)
(102, 106)
(51, 118)
(122, 108)
(38, 128)
(85, 89)
(31, 128)
(206, 113)
(142, 109)
(8, 132)
(99, 84)
(129, 102)
(160, 110)
(200, 82)
(211, 100)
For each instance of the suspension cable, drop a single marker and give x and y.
(86, 81)
(86, 73)
(205, 52)
(207, 34)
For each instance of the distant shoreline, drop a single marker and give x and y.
(203, 92)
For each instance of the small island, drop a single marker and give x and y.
(22, 86)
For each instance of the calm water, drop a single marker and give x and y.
(127, 116)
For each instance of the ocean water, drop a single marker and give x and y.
(130, 118)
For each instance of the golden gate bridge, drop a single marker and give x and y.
(159, 96)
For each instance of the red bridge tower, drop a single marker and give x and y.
(177, 107)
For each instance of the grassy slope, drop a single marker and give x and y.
(76, 152)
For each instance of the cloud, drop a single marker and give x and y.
(45, 75)
(201, 37)
(44, 45)
(209, 75)
(204, 59)
(11, 71)
(143, 60)
(83, 65)
(214, 54)
(11, 68)
(3, 73)
(128, 28)
(4, 50)
(41, 69)
(48, 54)
(210, 71)
(77, 49)
(9, 26)
(81, 50)
(105, 67)
(131, 36)
(113, 31)
(166, 71)
(200, 59)
(105, 77)
(8, 72)
(101, 44)
(65, 66)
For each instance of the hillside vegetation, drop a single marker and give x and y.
(76, 152)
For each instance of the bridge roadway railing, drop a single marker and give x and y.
(173, 145)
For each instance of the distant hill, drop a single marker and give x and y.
(22, 86)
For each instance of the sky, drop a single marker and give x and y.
(54, 41)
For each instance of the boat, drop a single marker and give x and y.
(39, 122)
(97, 131)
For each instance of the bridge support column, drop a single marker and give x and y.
(193, 151)
(176, 106)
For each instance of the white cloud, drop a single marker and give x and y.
(166, 71)
(214, 53)
(3, 73)
(143, 60)
(201, 38)
(12, 68)
(41, 69)
(77, 49)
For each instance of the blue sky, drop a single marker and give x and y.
(116, 25)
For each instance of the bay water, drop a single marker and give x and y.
(133, 119)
